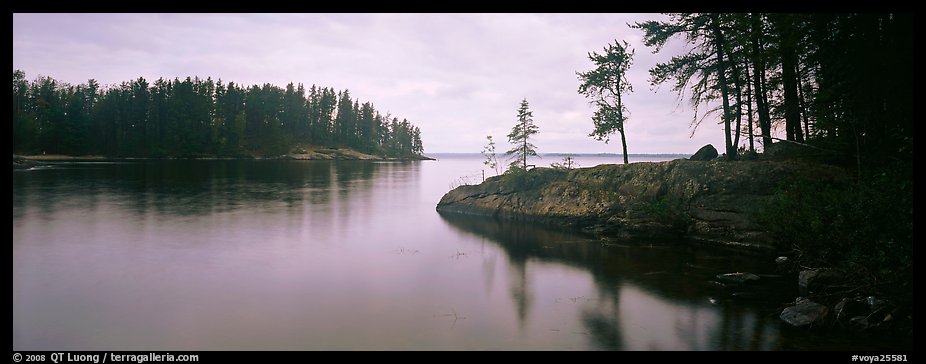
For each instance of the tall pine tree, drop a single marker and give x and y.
(520, 136)
(605, 85)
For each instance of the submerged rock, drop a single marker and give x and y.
(804, 312)
(706, 153)
(781, 260)
(738, 277)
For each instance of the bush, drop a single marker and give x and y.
(520, 179)
(865, 229)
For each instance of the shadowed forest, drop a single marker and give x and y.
(838, 82)
(196, 117)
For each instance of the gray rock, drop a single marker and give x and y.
(710, 202)
(784, 150)
(738, 277)
(810, 280)
(781, 260)
(706, 153)
(804, 312)
(804, 278)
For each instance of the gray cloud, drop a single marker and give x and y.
(458, 77)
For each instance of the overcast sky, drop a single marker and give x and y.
(459, 77)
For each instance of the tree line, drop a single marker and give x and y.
(840, 82)
(197, 117)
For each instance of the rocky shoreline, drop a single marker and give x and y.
(713, 202)
(710, 201)
(29, 161)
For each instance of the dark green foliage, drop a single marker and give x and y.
(519, 179)
(195, 117)
(864, 228)
(605, 85)
(520, 136)
(841, 82)
(707, 70)
(840, 86)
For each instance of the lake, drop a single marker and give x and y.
(306, 255)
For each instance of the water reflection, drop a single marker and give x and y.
(648, 296)
(197, 188)
(296, 255)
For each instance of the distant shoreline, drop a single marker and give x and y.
(615, 155)
(27, 161)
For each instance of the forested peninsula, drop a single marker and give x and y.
(203, 118)
(833, 197)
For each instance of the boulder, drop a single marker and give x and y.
(804, 312)
(810, 280)
(706, 153)
(782, 150)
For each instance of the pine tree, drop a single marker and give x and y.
(605, 85)
(520, 136)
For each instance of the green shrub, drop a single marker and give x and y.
(864, 229)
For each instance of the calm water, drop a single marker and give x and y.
(268, 255)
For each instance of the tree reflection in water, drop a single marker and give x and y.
(650, 295)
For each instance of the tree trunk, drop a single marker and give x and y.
(803, 105)
(789, 78)
(724, 90)
(752, 147)
(620, 120)
(739, 100)
(765, 120)
(624, 144)
(524, 145)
